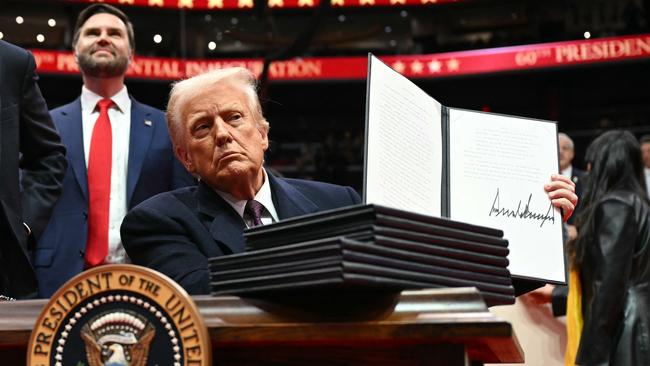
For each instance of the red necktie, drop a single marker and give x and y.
(99, 186)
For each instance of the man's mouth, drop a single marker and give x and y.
(228, 154)
(103, 51)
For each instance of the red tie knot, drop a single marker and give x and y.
(104, 104)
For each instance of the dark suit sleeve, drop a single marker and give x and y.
(610, 257)
(354, 196)
(157, 238)
(43, 160)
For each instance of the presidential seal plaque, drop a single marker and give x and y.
(119, 315)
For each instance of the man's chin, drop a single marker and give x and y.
(234, 174)
(103, 66)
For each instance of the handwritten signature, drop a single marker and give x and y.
(496, 210)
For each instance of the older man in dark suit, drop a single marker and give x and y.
(220, 136)
(29, 142)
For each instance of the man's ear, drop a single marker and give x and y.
(185, 159)
(264, 133)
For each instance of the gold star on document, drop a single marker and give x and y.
(434, 66)
(215, 4)
(245, 3)
(126, 2)
(276, 3)
(399, 67)
(156, 3)
(186, 3)
(395, 2)
(417, 67)
(338, 2)
(429, 1)
(366, 2)
(305, 2)
(453, 64)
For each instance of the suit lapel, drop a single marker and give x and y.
(288, 201)
(70, 128)
(225, 225)
(142, 129)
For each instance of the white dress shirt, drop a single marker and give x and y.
(568, 172)
(120, 116)
(263, 196)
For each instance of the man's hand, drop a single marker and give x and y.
(561, 191)
(540, 296)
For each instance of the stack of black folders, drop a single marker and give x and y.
(366, 248)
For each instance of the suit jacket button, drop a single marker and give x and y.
(82, 253)
(85, 215)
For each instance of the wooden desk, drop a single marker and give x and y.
(426, 327)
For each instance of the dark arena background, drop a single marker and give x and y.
(585, 64)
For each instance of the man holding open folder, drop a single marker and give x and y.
(220, 136)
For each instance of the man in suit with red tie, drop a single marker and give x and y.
(119, 154)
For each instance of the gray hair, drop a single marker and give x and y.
(184, 91)
(564, 135)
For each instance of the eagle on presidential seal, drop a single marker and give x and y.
(117, 338)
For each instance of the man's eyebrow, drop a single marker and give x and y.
(234, 106)
(194, 116)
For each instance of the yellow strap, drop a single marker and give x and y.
(573, 317)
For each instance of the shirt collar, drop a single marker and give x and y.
(568, 172)
(262, 196)
(89, 99)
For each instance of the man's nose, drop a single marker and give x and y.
(222, 132)
(103, 37)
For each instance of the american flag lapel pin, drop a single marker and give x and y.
(147, 123)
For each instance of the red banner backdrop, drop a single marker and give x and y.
(491, 60)
(247, 4)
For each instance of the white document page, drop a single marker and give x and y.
(404, 144)
(498, 168)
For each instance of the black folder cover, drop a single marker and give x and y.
(410, 251)
(352, 219)
(333, 261)
(338, 250)
(336, 279)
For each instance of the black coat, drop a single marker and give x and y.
(29, 142)
(176, 232)
(615, 276)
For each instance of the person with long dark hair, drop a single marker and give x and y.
(609, 291)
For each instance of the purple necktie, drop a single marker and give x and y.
(254, 210)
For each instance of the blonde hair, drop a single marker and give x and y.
(184, 91)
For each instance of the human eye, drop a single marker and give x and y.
(115, 33)
(201, 128)
(91, 32)
(235, 117)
